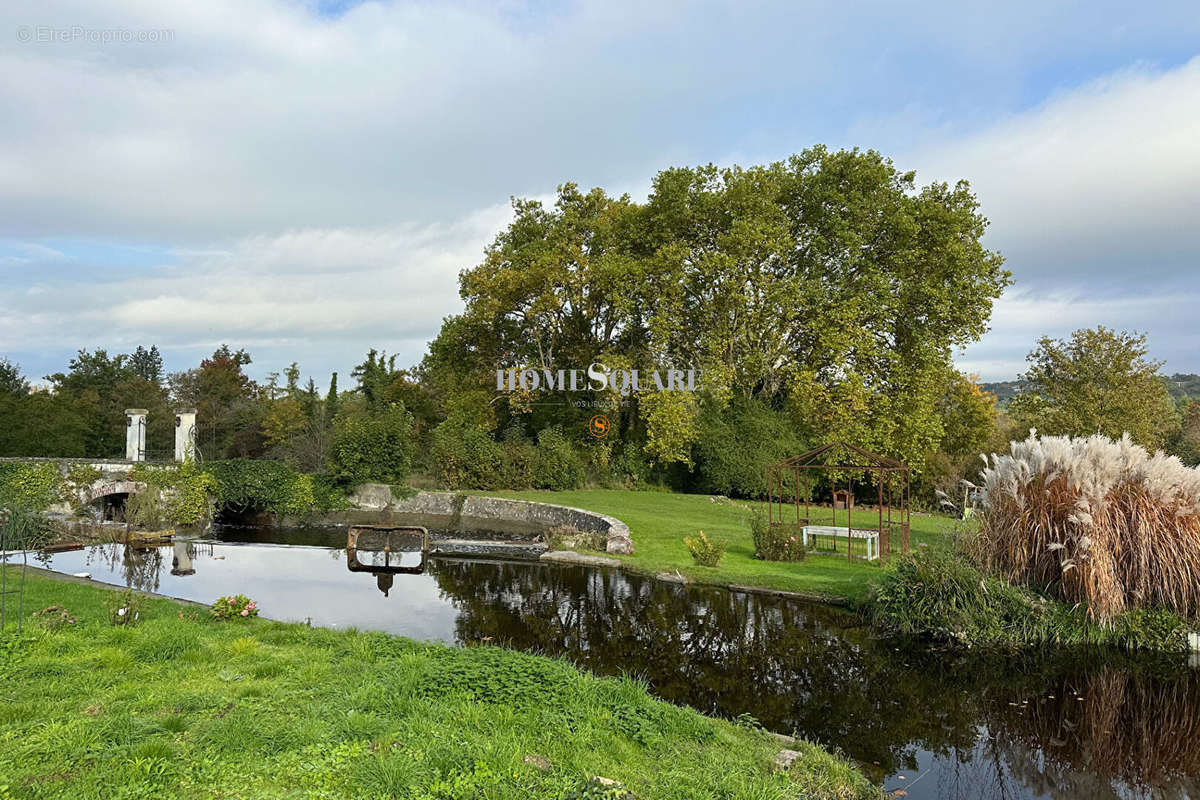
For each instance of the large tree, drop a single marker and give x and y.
(1098, 381)
(228, 412)
(829, 279)
(828, 285)
(100, 387)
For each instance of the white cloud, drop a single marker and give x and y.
(329, 290)
(1023, 316)
(317, 181)
(30, 253)
(1101, 183)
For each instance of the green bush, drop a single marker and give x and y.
(629, 467)
(372, 446)
(705, 552)
(739, 442)
(273, 487)
(466, 457)
(181, 495)
(144, 510)
(558, 465)
(30, 485)
(775, 542)
(519, 459)
(24, 528)
(234, 607)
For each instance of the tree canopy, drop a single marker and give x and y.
(1098, 381)
(829, 286)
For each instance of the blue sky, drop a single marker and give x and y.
(305, 180)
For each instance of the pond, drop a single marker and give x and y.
(933, 724)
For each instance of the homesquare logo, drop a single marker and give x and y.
(597, 378)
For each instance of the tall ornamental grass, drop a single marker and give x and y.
(1095, 522)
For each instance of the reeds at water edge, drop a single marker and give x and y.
(1095, 522)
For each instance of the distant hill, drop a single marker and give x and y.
(1180, 385)
(1004, 390)
(1184, 385)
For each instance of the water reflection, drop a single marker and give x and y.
(935, 724)
(386, 552)
(182, 555)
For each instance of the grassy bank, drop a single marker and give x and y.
(659, 521)
(941, 596)
(182, 706)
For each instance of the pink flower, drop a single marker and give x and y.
(791, 538)
(251, 605)
(245, 612)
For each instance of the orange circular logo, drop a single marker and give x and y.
(599, 426)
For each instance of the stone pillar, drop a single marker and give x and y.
(185, 435)
(135, 434)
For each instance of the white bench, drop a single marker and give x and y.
(870, 537)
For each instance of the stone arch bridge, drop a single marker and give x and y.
(107, 478)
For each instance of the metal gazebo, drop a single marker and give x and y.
(789, 499)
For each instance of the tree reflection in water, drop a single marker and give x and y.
(1056, 725)
(139, 566)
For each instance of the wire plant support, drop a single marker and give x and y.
(790, 485)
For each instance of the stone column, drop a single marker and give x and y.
(185, 435)
(135, 434)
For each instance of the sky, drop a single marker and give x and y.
(306, 180)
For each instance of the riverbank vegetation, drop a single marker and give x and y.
(938, 593)
(1097, 523)
(181, 705)
(941, 596)
(1080, 541)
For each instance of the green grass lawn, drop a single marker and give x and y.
(660, 520)
(184, 706)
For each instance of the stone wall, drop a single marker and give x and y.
(378, 499)
(113, 479)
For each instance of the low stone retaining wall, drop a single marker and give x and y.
(378, 499)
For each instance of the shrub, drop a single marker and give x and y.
(32, 485)
(775, 541)
(466, 457)
(25, 529)
(234, 607)
(518, 460)
(271, 486)
(705, 552)
(1095, 522)
(558, 464)
(568, 537)
(184, 494)
(144, 510)
(372, 446)
(739, 442)
(126, 610)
